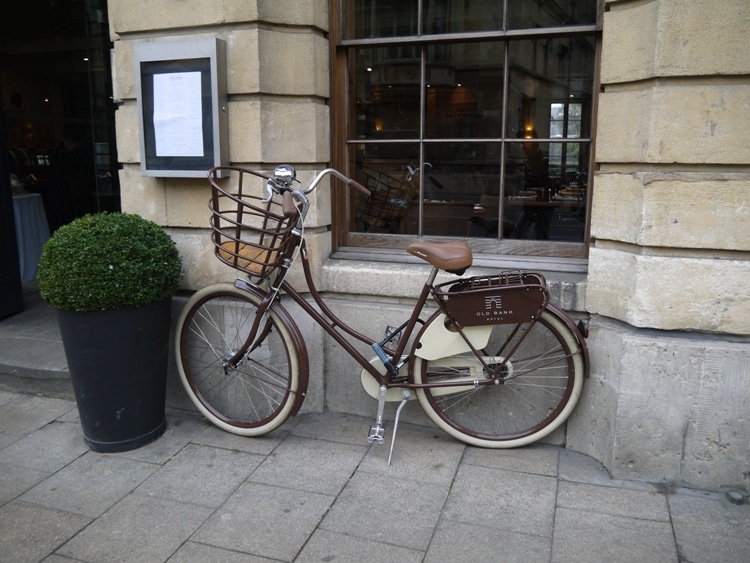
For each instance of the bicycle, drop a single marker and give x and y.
(496, 365)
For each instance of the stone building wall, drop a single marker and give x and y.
(278, 86)
(668, 277)
(666, 286)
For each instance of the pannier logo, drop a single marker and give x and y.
(493, 307)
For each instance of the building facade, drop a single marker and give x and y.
(639, 108)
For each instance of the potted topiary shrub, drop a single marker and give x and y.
(111, 277)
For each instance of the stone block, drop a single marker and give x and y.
(592, 425)
(629, 42)
(702, 38)
(245, 139)
(670, 292)
(685, 122)
(295, 12)
(127, 16)
(123, 71)
(674, 38)
(699, 123)
(187, 202)
(612, 282)
(243, 67)
(623, 125)
(684, 212)
(617, 196)
(199, 265)
(665, 407)
(126, 130)
(676, 210)
(143, 195)
(141, 15)
(293, 63)
(294, 131)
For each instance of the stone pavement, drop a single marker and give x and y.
(315, 490)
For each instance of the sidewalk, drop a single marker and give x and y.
(316, 491)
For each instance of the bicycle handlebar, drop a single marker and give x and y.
(348, 181)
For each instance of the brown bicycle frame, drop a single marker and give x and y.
(336, 328)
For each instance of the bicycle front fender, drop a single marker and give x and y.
(299, 342)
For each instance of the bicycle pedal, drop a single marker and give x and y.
(376, 435)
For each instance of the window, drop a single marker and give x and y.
(467, 118)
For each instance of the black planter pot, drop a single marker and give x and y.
(118, 365)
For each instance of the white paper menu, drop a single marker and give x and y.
(178, 115)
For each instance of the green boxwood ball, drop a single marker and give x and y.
(108, 261)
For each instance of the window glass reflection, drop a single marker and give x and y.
(464, 85)
(380, 18)
(545, 191)
(551, 87)
(387, 81)
(530, 14)
(451, 16)
(390, 172)
(461, 186)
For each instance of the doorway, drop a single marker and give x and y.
(57, 98)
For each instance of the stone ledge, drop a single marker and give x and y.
(399, 275)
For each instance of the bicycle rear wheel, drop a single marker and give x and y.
(262, 390)
(537, 389)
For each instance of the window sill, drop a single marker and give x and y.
(397, 274)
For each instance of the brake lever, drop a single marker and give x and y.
(270, 190)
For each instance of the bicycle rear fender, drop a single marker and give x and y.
(299, 342)
(563, 316)
(436, 340)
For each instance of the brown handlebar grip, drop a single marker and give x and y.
(287, 205)
(359, 187)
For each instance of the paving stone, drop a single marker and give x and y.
(23, 414)
(218, 438)
(511, 501)
(138, 528)
(201, 475)
(331, 546)
(265, 521)
(181, 430)
(192, 552)
(710, 530)
(480, 542)
(423, 455)
(15, 481)
(91, 484)
(49, 449)
(539, 459)
(310, 465)
(335, 427)
(387, 509)
(30, 532)
(592, 537)
(611, 500)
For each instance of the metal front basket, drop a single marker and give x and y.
(248, 234)
(509, 297)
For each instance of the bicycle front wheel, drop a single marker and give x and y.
(260, 391)
(535, 392)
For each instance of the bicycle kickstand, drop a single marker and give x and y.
(377, 432)
(406, 396)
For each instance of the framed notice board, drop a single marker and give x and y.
(182, 106)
